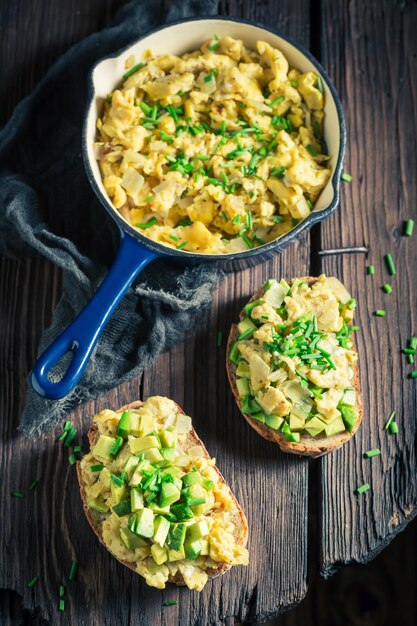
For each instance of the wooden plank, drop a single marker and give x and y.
(368, 50)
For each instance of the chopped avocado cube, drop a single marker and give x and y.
(136, 500)
(196, 491)
(98, 505)
(176, 555)
(172, 469)
(161, 529)
(169, 494)
(131, 540)
(177, 482)
(182, 512)
(130, 465)
(234, 354)
(205, 547)
(104, 447)
(349, 415)
(168, 438)
(141, 523)
(122, 508)
(119, 493)
(289, 435)
(259, 417)
(176, 536)
(243, 369)
(349, 397)
(153, 455)
(158, 510)
(246, 328)
(208, 484)
(169, 454)
(105, 477)
(335, 427)
(159, 554)
(144, 443)
(296, 423)
(254, 407)
(242, 385)
(124, 426)
(273, 421)
(146, 424)
(192, 548)
(192, 478)
(136, 478)
(198, 530)
(269, 283)
(314, 426)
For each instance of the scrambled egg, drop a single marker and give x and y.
(217, 151)
(216, 513)
(294, 359)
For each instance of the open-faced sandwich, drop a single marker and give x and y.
(155, 498)
(292, 365)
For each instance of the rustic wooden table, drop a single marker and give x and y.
(295, 508)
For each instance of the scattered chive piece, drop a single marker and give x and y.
(410, 359)
(223, 128)
(310, 204)
(214, 46)
(18, 494)
(276, 101)
(387, 288)
(236, 219)
(371, 453)
(277, 219)
(133, 69)
(250, 245)
(61, 591)
(278, 171)
(70, 436)
(294, 83)
(202, 157)
(408, 228)
(413, 374)
(73, 570)
(61, 605)
(380, 313)
(97, 468)
(72, 459)
(390, 265)
(32, 582)
(370, 269)
(393, 427)
(151, 222)
(312, 150)
(169, 603)
(148, 198)
(219, 338)
(409, 351)
(363, 488)
(68, 425)
(320, 84)
(77, 448)
(413, 342)
(389, 420)
(173, 237)
(347, 178)
(181, 246)
(33, 485)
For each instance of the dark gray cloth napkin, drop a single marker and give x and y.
(47, 207)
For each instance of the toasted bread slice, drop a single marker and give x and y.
(308, 446)
(96, 519)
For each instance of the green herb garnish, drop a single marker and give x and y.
(144, 225)
(390, 264)
(408, 228)
(133, 69)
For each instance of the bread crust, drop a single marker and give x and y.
(95, 518)
(313, 447)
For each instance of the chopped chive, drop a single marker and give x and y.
(181, 246)
(250, 244)
(224, 216)
(380, 313)
(294, 83)
(61, 591)
(277, 219)
(390, 265)
(33, 485)
(409, 350)
(166, 137)
(225, 179)
(68, 425)
(73, 570)
(278, 171)
(18, 494)
(151, 222)
(408, 228)
(276, 101)
(133, 69)
(219, 338)
(174, 238)
(32, 582)
(387, 288)
(310, 204)
(371, 453)
(223, 128)
(249, 220)
(413, 374)
(413, 342)
(169, 603)
(320, 84)
(70, 436)
(389, 420)
(202, 157)
(77, 449)
(363, 488)
(97, 468)
(370, 269)
(214, 46)
(312, 150)
(149, 198)
(347, 178)
(171, 110)
(72, 459)
(208, 78)
(410, 359)
(393, 427)
(236, 219)
(61, 605)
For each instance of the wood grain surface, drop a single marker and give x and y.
(369, 51)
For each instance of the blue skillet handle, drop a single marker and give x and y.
(82, 335)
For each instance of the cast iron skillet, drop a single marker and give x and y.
(136, 250)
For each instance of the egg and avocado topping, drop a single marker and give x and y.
(293, 358)
(163, 506)
(217, 151)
